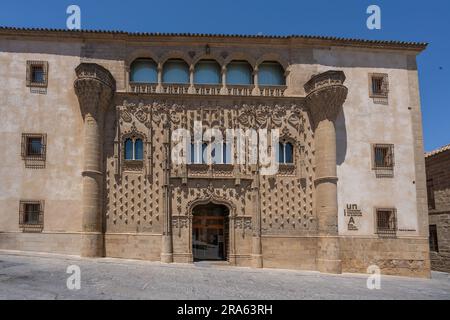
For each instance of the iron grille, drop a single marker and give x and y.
(386, 222)
(379, 85)
(34, 147)
(31, 215)
(37, 73)
(383, 160)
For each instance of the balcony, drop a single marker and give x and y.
(136, 87)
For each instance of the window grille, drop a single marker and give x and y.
(34, 149)
(31, 215)
(379, 87)
(386, 222)
(383, 160)
(37, 74)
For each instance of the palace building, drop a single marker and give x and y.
(87, 123)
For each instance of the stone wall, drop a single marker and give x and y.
(438, 171)
(405, 257)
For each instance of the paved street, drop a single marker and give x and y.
(43, 276)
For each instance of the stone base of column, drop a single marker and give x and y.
(166, 252)
(92, 245)
(328, 255)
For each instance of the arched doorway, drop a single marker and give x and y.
(210, 232)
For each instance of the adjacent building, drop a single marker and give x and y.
(438, 186)
(89, 123)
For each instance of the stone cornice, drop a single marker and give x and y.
(289, 40)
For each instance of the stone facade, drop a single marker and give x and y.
(438, 182)
(317, 213)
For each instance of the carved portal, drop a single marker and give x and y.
(136, 201)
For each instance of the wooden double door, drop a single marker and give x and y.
(210, 232)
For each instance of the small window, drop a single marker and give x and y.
(239, 73)
(197, 154)
(430, 192)
(433, 238)
(34, 149)
(386, 222)
(176, 71)
(144, 71)
(271, 74)
(383, 160)
(285, 153)
(31, 216)
(133, 149)
(37, 73)
(379, 85)
(207, 72)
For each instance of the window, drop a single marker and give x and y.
(31, 215)
(134, 149)
(176, 71)
(239, 73)
(144, 71)
(37, 73)
(433, 238)
(430, 192)
(285, 153)
(207, 72)
(379, 85)
(196, 154)
(386, 222)
(34, 149)
(383, 160)
(271, 74)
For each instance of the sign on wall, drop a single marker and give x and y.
(353, 213)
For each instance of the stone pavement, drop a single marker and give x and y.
(44, 276)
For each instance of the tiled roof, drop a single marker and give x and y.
(437, 151)
(350, 41)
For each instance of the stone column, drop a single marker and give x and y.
(95, 88)
(159, 86)
(223, 89)
(257, 260)
(191, 79)
(166, 243)
(255, 90)
(325, 97)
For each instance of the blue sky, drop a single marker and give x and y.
(412, 20)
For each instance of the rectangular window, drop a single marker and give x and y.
(430, 192)
(433, 238)
(383, 160)
(31, 216)
(386, 222)
(379, 87)
(34, 150)
(37, 73)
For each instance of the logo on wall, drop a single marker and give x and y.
(353, 212)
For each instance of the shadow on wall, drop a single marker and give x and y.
(341, 138)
